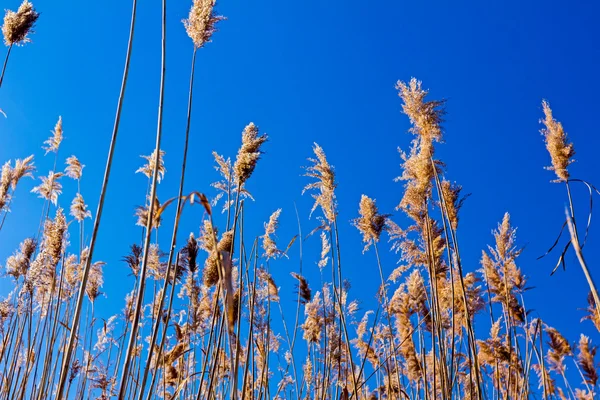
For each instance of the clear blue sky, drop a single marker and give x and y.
(321, 72)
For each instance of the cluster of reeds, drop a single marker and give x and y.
(204, 318)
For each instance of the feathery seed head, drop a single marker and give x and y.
(370, 223)
(201, 22)
(17, 25)
(54, 141)
(23, 167)
(79, 209)
(143, 212)
(426, 116)
(269, 245)
(50, 187)
(74, 168)
(248, 154)
(557, 144)
(452, 201)
(148, 168)
(324, 185)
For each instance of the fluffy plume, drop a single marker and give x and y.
(74, 168)
(324, 184)
(370, 223)
(50, 188)
(586, 361)
(201, 22)
(148, 168)
(559, 349)
(142, 214)
(248, 154)
(557, 143)
(79, 209)
(54, 141)
(17, 25)
(23, 167)
(269, 245)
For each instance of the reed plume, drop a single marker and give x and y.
(53, 142)
(557, 143)
(248, 154)
(371, 223)
(17, 25)
(201, 22)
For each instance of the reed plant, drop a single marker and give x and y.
(206, 319)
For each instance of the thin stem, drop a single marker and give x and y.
(5, 64)
(149, 222)
(86, 270)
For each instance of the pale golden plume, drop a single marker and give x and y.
(268, 244)
(371, 223)
(324, 184)
(452, 201)
(17, 25)
(53, 142)
(426, 116)
(148, 168)
(23, 168)
(50, 188)
(74, 168)
(557, 144)
(79, 209)
(201, 22)
(248, 154)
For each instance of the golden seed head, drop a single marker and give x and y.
(17, 25)
(74, 168)
(269, 245)
(23, 167)
(54, 141)
(148, 168)
(201, 22)
(324, 185)
(248, 154)
(425, 116)
(79, 209)
(370, 223)
(50, 187)
(557, 144)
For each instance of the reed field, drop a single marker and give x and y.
(204, 316)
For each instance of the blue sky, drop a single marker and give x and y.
(319, 72)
